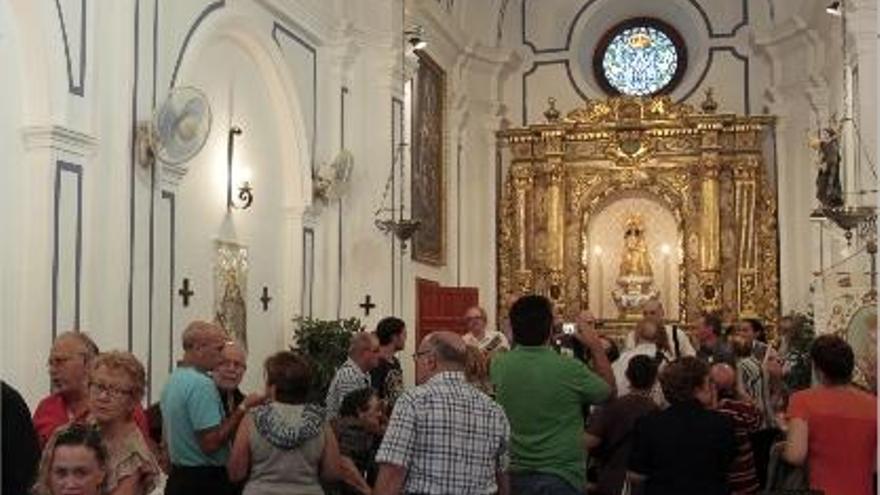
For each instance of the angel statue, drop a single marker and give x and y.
(829, 192)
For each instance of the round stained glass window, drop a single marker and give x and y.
(640, 57)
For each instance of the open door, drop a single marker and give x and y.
(442, 308)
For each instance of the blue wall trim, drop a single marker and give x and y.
(744, 21)
(397, 109)
(280, 28)
(152, 234)
(132, 169)
(308, 267)
(62, 166)
(76, 88)
(192, 29)
(171, 241)
(343, 93)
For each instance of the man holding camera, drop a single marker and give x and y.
(543, 395)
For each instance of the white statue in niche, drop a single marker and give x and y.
(635, 276)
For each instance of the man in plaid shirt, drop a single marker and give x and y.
(445, 437)
(354, 374)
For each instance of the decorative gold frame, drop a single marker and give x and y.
(707, 168)
(429, 246)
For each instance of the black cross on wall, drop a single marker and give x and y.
(265, 298)
(367, 305)
(185, 292)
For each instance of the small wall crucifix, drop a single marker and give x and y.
(367, 305)
(185, 292)
(265, 298)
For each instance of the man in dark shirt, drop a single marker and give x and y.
(686, 449)
(713, 347)
(387, 378)
(609, 435)
(21, 451)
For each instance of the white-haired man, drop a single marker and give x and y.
(679, 343)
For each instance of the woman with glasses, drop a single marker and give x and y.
(116, 385)
(74, 461)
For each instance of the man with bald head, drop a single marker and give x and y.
(444, 435)
(354, 374)
(196, 431)
(746, 419)
(679, 344)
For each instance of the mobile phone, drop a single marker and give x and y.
(569, 328)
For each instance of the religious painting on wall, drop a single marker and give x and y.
(230, 290)
(428, 201)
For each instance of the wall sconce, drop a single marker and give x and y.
(415, 36)
(834, 8)
(245, 192)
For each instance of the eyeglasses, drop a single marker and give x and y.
(112, 391)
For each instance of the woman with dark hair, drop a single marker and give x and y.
(687, 448)
(359, 429)
(74, 461)
(832, 426)
(285, 446)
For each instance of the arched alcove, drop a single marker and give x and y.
(232, 59)
(605, 244)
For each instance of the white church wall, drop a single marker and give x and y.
(558, 45)
(134, 235)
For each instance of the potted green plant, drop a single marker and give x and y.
(325, 343)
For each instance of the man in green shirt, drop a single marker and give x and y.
(544, 395)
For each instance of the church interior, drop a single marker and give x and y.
(256, 162)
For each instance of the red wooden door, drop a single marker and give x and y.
(442, 308)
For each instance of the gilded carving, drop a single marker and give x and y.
(707, 169)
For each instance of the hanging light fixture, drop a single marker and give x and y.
(834, 8)
(398, 225)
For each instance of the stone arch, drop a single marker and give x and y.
(675, 200)
(245, 32)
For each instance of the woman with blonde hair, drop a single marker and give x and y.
(116, 385)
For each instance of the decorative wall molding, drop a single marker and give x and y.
(172, 232)
(74, 87)
(563, 55)
(77, 170)
(278, 28)
(59, 138)
(308, 272)
(212, 7)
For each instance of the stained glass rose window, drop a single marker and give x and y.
(640, 57)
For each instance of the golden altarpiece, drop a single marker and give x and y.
(708, 170)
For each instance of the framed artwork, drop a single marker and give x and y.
(230, 289)
(428, 179)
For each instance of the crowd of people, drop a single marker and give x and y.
(531, 410)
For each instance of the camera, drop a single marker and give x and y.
(569, 328)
